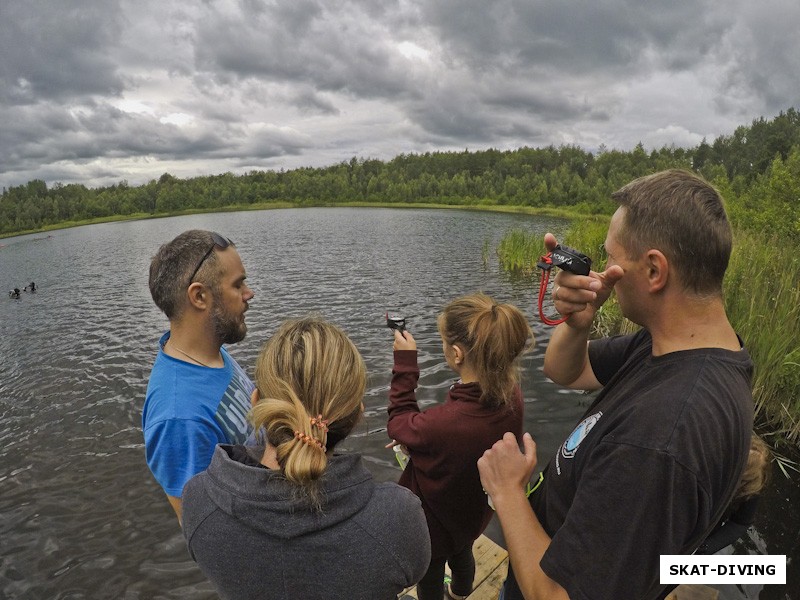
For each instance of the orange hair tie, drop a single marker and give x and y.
(319, 423)
(308, 440)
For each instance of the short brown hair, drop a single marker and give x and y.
(683, 216)
(173, 264)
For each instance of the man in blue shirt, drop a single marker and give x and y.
(197, 396)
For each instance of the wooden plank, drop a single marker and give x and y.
(488, 558)
(489, 588)
(491, 566)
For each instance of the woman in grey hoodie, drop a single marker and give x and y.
(291, 519)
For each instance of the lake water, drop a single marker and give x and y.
(80, 515)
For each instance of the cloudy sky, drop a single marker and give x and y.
(99, 91)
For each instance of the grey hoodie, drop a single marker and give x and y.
(370, 541)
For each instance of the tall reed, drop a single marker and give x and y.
(762, 298)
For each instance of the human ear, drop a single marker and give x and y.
(458, 354)
(657, 270)
(254, 397)
(197, 294)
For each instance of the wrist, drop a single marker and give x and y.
(580, 323)
(508, 496)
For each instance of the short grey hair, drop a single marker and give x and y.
(172, 266)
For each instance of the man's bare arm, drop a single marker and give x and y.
(504, 472)
(578, 297)
(177, 506)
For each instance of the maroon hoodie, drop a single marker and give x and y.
(445, 442)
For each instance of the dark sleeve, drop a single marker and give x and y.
(407, 424)
(414, 542)
(728, 531)
(632, 505)
(723, 535)
(607, 355)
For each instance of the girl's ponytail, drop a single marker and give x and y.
(493, 336)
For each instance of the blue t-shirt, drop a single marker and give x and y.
(189, 409)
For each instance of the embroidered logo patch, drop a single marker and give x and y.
(570, 446)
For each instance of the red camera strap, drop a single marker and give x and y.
(546, 265)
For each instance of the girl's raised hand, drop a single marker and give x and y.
(404, 341)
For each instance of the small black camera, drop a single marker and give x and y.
(395, 322)
(566, 258)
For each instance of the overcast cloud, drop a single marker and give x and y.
(99, 91)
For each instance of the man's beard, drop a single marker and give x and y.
(228, 329)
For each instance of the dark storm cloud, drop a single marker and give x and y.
(101, 90)
(763, 53)
(550, 105)
(308, 100)
(331, 46)
(578, 36)
(57, 51)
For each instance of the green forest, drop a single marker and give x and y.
(757, 169)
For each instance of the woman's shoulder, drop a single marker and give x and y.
(394, 508)
(394, 492)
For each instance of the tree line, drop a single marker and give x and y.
(757, 169)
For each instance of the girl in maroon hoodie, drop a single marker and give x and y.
(482, 342)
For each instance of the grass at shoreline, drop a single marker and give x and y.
(524, 210)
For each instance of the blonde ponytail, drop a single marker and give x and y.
(311, 381)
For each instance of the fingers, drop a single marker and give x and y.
(529, 446)
(504, 467)
(404, 341)
(611, 275)
(571, 293)
(504, 447)
(400, 336)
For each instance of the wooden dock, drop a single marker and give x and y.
(491, 566)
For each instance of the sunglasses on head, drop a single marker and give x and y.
(220, 242)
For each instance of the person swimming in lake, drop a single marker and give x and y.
(14, 294)
(322, 526)
(482, 341)
(31, 287)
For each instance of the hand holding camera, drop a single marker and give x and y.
(403, 340)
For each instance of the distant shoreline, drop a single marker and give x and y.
(508, 209)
